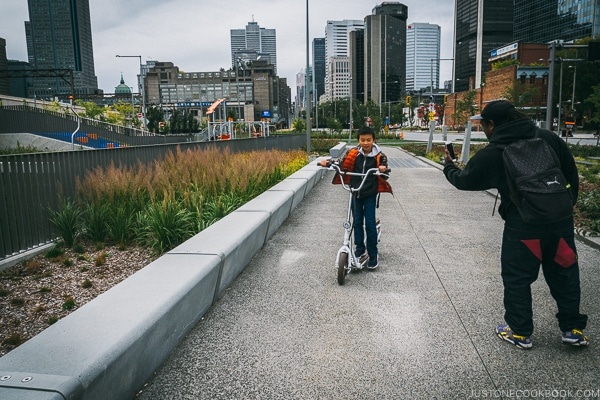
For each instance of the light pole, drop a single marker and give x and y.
(573, 95)
(306, 85)
(559, 98)
(350, 127)
(238, 66)
(141, 85)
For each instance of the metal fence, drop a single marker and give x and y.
(20, 119)
(30, 184)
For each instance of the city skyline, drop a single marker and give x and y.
(198, 36)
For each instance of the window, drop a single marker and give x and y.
(532, 78)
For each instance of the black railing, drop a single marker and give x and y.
(30, 184)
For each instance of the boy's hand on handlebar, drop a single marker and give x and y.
(325, 163)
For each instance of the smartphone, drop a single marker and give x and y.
(450, 149)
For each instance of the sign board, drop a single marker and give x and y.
(265, 114)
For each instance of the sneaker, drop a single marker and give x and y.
(575, 337)
(362, 259)
(373, 263)
(505, 333)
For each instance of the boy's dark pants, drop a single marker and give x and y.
(363, 209)
(524, 247)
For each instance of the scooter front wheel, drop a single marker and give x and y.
(342, 268)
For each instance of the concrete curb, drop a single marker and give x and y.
(109, 348)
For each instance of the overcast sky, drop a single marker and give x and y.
(195, 34)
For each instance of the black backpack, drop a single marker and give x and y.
(536, 183)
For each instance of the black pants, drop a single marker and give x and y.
(524, 248)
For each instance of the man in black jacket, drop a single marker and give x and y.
(525, 246)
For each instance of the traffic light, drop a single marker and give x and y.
(407, 100)
(445, 99)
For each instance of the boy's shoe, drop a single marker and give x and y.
(362, 259)
(373, 263)
(505, 333)
(575, 337)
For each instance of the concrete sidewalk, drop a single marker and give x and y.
(419, 327)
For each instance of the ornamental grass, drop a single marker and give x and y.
(162, 204)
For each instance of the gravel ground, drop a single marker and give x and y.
(38, 292)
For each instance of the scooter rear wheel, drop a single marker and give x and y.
(342, 268)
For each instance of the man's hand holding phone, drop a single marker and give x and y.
(449, 151)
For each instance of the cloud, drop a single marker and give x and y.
(195, 35)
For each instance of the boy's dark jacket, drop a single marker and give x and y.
(486, 169)
(356, 161)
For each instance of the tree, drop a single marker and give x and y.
(520, 94)
(465, 108)
(92, 110)
(299, 125)
(592, 103)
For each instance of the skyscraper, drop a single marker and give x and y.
(337, 47)
(385, 52)
(253, 42)
(59, 36)
(480, 26)
(318, 53)
(541, 21)
(422, 56)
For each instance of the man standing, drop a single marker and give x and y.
(526, 245)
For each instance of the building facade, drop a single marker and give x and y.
(319, 67)
(254, 43)
(357, 64)
(542, 21)
(480, 26)
(385, 53)
(337, 47)
(422, 56)
(59, 36)
(252, 96)
(4, 80)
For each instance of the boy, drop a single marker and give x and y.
(360, 159)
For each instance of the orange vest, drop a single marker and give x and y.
(348, 165)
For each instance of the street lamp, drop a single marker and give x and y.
(559, 97)
(306, 85)
(573, 95)
(350, 127)
(141, 85)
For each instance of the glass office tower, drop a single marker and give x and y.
(59, 36)
(541, 21)
(422, 56)
(385, 53)
(480, 26)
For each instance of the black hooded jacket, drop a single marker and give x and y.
(486, 169)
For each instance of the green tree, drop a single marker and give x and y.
(592, 103)
(92, 110)
(465, 108)
(299, 125)
(520, 94)
(333, 124)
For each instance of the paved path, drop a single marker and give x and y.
(419, 327)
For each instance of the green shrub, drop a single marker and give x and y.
(120, 225)
(589, 204)
(67, 221)
(55, 251)
(95, 222)
(69, 303)
(165, 225)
